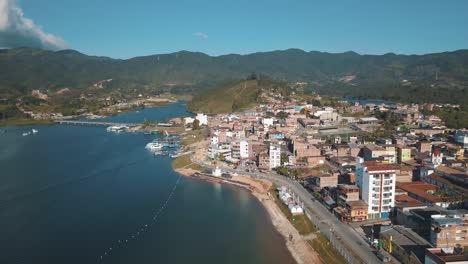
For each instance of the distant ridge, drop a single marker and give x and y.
(439, 77)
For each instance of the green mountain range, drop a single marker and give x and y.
(438, 77)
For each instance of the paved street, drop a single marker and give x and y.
(346, 236)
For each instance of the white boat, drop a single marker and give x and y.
(26, 134)
(116, 128)
(154, 146)
(34, 131)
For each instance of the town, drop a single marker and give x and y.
(396, 177)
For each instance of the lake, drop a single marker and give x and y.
(78, 194)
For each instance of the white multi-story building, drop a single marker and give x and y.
(214, 139)
(202, 118)
(275, 156)
(240, 149)
(376, 182)
(461, 137)
(220, 149)
(244, 149)
(267, 122)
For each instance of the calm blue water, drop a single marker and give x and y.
(367, 101)
(164, 113)
(69, 194)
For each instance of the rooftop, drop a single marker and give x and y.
(451, 171)
(420, 189)
(447, 220)
(368, 119)
(446, 257)
(404, 200)
(374, 147)
(358, 203)
(376, 166)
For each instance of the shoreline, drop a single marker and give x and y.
(151, 103)
(299, 248)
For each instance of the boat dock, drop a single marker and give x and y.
(94, 123)
(100, 123)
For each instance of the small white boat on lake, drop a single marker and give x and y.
(154, 146)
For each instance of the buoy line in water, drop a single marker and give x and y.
(121, 243)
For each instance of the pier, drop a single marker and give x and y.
(100, 123)
(94, 123)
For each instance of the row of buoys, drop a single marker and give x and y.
(122, 242)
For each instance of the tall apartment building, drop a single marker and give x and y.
(377, 186)
(244, 149)
(275, 156)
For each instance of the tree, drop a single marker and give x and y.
(196, 124)
(220, 157)
(252, 76)
(282, 170)
(282, 115)
(305, 111)
(284, 158)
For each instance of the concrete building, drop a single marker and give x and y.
(214, 151)
(404, 154)
(404, 244)
(214, 139)
(267, 122)
(263, 161)
(202, 118)
(444, 256)
(449, 230)
(461, 137)
(352, 211)
(240, 149)
(424, 192)
(377, 184)
(424, 146)
(324, 180)
(375, 152)
(437, 157)
(275, 156)
(347, 193)
(244, 149)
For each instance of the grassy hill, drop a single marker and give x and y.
(228, 97)
(235, 96)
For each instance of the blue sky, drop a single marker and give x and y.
(123, 29)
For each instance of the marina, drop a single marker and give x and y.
(166, 145)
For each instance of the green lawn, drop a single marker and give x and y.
(181, 162)
(300, 222)
(193, 136)
(184, 161)
(196, 167)
(326, 252)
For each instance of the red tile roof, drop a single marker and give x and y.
(375, 166)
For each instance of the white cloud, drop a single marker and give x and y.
(16, 30)
(201, 35)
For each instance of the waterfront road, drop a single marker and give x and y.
(347, 237)
(350, 239)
